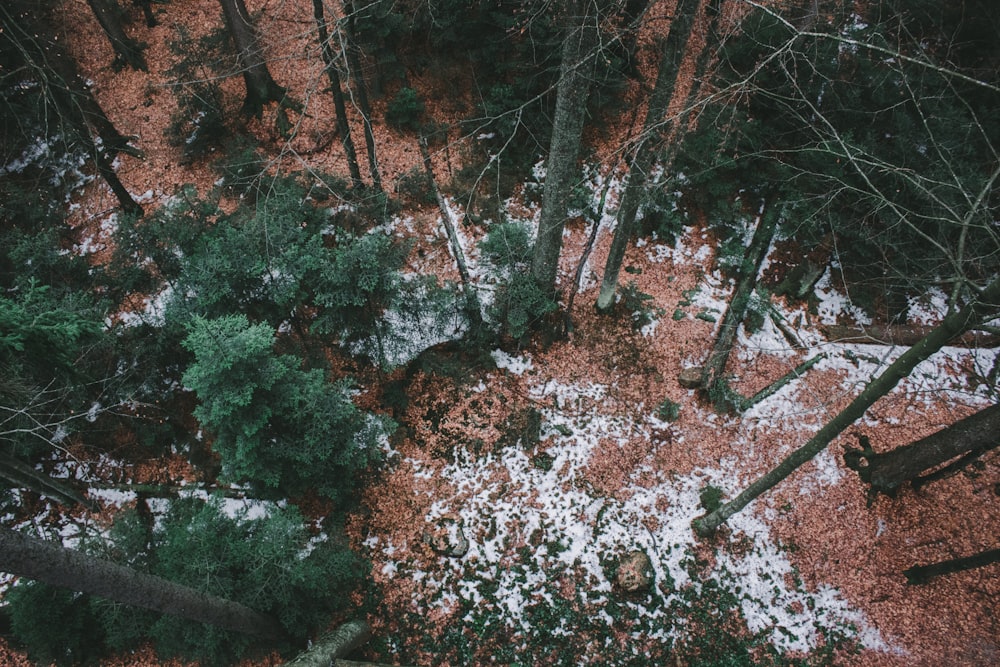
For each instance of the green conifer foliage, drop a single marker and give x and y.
(275, 425)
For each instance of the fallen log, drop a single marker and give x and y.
(921, 574)
(966, 438)
(335, 644)
(901, 334)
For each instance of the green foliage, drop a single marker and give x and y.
(758, 309)
(638, 305)
(862, 146)
(359, 284)
(54, 624)
(275, 425)
(668, 410)
(242, 169)
(405, 110)
(711, 498)
(267, 562)
(518, 302)
(264, 563)
(38, 328)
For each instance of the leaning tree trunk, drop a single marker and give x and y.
(56, 565)
(713, 374)
(576, 63)
(645, 151)
(887, 471)
(127, 50)
(261, 87)
(330, 64)
(921, 574)
(985, 304)
(361, 92)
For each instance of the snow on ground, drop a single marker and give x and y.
(532, 517)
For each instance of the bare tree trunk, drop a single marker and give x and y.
(73, 101)
(127, 50)
(986, 303)
(887, 471)
(645, 151)
(361, 91)
(921, 574)
(579, 42)
(56, 565)
(714, 9)
(330, 63)
(261, 87)
(147, 12)
(472, 306)
(712, 375)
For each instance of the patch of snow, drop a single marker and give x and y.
(514, 365)
(833, 304)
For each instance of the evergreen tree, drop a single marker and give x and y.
(274, 424)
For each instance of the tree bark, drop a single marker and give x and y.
(326, 650)
(645, 151)
(20, 474)
(985, 304)
(712, 377)
(576, 63)
(887, 471)
(127, 50)
(901, 334)
(361, 91)
(714, 9)
(330, 64)
(56, 565)
(73, 103)
(261, 87)
(147, 12)
(472, 306)
(921, 574)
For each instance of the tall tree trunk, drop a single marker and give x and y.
(62, 87)
(330, 64)
(645, 151)
(714, 10)
(712, 375)
(361, 91)
(985, 304)
(921, 574)
(261, 87)
(887, 471)
(127, 50)
(56, 565)
(473, 308)
(561, 171)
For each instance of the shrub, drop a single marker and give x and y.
(405, 110)
(639, 305)
(711, 498)
(668, 411)
(519, 302)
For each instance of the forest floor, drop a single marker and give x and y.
(541, 523)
